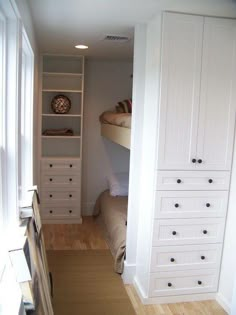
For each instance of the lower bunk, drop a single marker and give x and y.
(111, 214)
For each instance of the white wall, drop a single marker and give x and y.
(136, 150)
(106, 83)
(228, 270)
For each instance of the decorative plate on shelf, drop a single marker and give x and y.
(61, 104)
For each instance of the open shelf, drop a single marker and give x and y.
(61, 115)
(61, 137)
(63, 74)
(63, 64)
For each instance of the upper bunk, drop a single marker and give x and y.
(116, 127)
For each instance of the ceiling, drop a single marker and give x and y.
(62, 24)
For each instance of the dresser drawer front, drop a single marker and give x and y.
(53, 196)
(183, 282)
(52, 212)
(190, 204)
(189, 180)
(62, 181)
(55, 165)
(173, 258)
(187, 231)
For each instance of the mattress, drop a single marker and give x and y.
(117, 119)
(111, 213)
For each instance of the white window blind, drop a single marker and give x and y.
(2, 112)
(26, 121)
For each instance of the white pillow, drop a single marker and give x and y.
(118, 184)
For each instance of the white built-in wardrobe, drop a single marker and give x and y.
(186, 163)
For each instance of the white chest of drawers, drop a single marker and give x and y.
(188, 231)
(61, 190)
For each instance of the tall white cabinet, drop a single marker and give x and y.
(184, 231)
(61, 154)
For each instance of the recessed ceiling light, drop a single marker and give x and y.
(81, 46)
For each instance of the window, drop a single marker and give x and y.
(2, 101)
(25, 123)
(16, 93)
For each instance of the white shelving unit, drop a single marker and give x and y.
(61, 156)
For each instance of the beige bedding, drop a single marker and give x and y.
(112, 215)
(118, 119)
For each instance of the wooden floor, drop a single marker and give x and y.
(89, 236)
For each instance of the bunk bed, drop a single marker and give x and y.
(111, 214)
(116, 127)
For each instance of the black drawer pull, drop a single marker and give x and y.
(176, 205)
(70, 179)
(199, 161)
(194, 160)
(204, 231)
(174, 233)
(203, 257)
(70, 211)
(172, 259)
(210, 180)
(169, 284)
(208, 205)
(50, 196)
(50, 179)
(70, 195)
(199, 282)
(50, 165)
(178, 181)
(71, 165)
(51, 211)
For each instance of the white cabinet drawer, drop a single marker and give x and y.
(187, 231)
(190, 180)
(190, 204)
(55, 165)
(183, 282)
(173, 258)
(63, 181)
(53, 196)
(51, 212)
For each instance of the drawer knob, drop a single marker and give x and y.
(169, 284)
(70, 195)
(50, 165)
(172, 259)
(50, 196)
(194, 160)
(178, 181)
(176, 205)
(204, 231)
(50, 179)
(70, 179)
(71, 165)
(70, 211)
(199, 161)
(210, 181)
(208, 205)
(203, 257)
(199, 282)
(51, 211)
(174, 233)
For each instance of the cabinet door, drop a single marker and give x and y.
(180, 86)
(218, 95)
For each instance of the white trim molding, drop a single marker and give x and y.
(129, 273)
(223, 303)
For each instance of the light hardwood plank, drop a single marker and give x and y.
(88, 235)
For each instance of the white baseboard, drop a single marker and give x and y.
(223, 302)
(129, 273)
(87, 208)
(172, 299)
